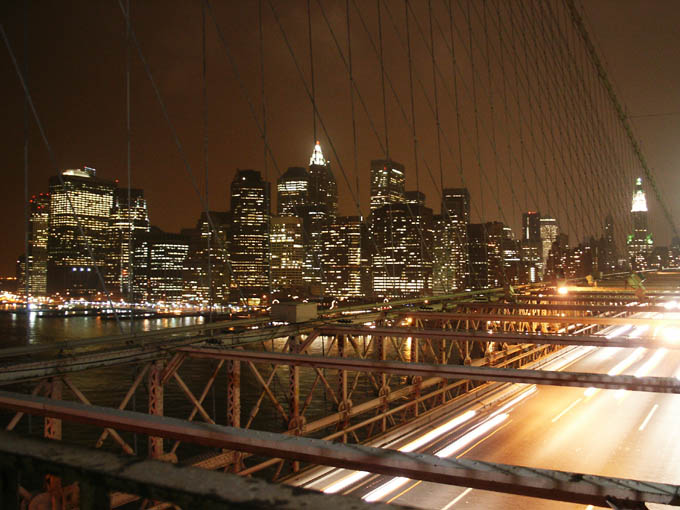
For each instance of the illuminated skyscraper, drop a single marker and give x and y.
(486, 241)
(287, 254)
(127, 220)
(452, 246)
(342, 259)
(37, 244)
(78, 239)
(321, 212)
(401, 267)
(549, 230)
(293, 192)
(531, 226)
(608, 256)
(640, 242)
(388, 180)
(159, 259)
(206, 272)
(249, 237)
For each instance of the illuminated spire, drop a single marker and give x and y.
(639, 199)
(317, 156)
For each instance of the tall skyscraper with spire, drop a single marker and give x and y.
(640, 243)
(321, 212)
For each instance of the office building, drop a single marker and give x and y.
(640, 242)
(129, 217)
(292, 191)
(342, 260)
(206, 268)
(402, 259)
(287, 257)
(38, 232)
(453, 265)
(321, 212)
(159, 258)
(78, 232)
(388, 180)
(249, 238)
(531, 226)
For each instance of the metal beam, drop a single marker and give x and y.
(552, 319)
(534, 482)
(594, 308)
(188, 487)
(525, 376)
(514, 338)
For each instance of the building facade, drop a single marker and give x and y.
(640, 242)
(129, 217)
(287, 244)
(402, 261)
(78, 235)
(320, 214)
(249, 249)
(342, 260)
(38, 234)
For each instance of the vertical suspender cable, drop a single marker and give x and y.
(382, 81)
(413, 103)
(128, 142)
(413, 115)
(436, 97)
(204, 76)
(27, 269)
(264, 127)
(311, 61)
(350, 76)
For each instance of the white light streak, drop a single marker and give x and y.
(394, 484)
(651, 362)
(515, 401)
(649, 417)
(457, 499)
(471, 436)
(356, 476)
(571, 406)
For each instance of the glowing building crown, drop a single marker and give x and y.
(317, 156)
(639, 199)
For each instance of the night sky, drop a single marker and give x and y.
(76, 73)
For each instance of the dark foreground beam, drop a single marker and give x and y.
(646, 341)
(512, 375)
(101, 472)
(540, 483)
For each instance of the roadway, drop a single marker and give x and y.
(606, 432)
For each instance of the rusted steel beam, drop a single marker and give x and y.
(523, 338)
(17, 417)
(551, 319)
(131, 391)
(535, 482)
(155, 407)
(597, 308)
(192, 398)
(187, 487)
(201, 398)
(116, 437)
(22, 372)
(577, 379)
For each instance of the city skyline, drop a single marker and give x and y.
(249, 254)
(102, 144)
